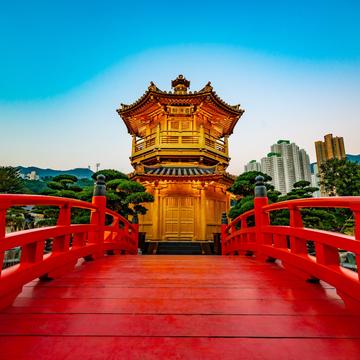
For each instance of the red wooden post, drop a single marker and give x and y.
(245, 238)
(243, 223)
(224, 225)
(78, 240)
(261, 218)
(135, 233)
(7, 293)
(2, 234)
(62, 243)
(357, 236)
(297, 245)
(357, 224)
(98, 217)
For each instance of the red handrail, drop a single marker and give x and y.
(70, 242)
(289, 243)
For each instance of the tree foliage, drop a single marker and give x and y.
(123, 195)
(300, 190)
(35, 186)
(10, 181)
(338, 220)
(110, 174)
(19, 218)
(65, 184)
(245, 183)
(244, 187)
(340, 177)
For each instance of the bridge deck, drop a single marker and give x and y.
(158, 307)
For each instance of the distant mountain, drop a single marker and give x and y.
(353, 158)
(78, 172)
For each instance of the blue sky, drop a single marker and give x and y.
(66, 65)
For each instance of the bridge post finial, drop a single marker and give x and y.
(223, 234)
(135, 231)
(261, 217)
(260, 188)
(98, 217)
(135, 219)
(100, 186)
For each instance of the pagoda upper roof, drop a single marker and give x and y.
(153, 98)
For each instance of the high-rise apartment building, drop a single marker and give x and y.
(286, 164)
(273, 165)
(252, 165)
(315, 180)
(330, 148)
(296, 163)
(304, 165)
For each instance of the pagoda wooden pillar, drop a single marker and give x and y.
(156, 215)
(202, 213)
(157, 137)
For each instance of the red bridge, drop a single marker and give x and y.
(267, 299)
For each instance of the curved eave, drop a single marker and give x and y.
(232, 110)
(168, 98)
(233, 124)
(138, 103)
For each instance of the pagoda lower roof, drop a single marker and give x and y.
(179, 171)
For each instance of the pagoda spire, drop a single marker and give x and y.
(180, 85)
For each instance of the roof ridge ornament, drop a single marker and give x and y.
(153, 87)
(207, 88)
(180, 85)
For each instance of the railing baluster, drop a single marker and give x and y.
(32, 253)
(62, 243)
(326, 255)
(78, 240)
(2, 222)
(280, 241)
(98, 218)
(2, 234)
(135, 230)
(357, 224)
(357, 237)
(297, 245)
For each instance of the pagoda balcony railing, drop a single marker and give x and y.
(182, 140)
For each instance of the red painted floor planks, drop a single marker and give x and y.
(182, 307)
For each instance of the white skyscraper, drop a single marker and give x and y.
(252, 165)
(305, 165)
(286, 164)
(273, 165)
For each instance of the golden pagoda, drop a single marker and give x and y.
(180, 154)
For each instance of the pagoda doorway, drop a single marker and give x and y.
(179, 216)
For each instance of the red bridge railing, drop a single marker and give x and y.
(289, 243)
(70, 242)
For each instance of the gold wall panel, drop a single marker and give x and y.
(184, 211)
(178, 215)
